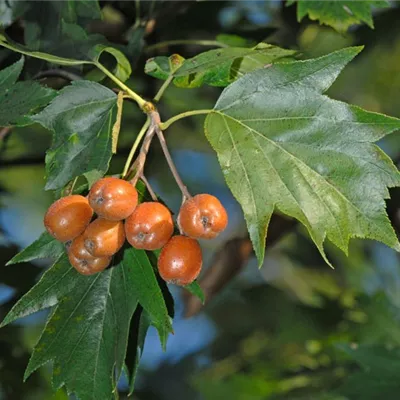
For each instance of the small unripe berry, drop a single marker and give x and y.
(202, 216)
(113, 198)
(149, 227)
(103, 238)
(180, 260)
(68, 217)
(89, 266)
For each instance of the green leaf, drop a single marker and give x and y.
(149, 293)
(9, 44)
(44, 247)
(158, 67)
(196, 290)
(374, 357)
(9, 75)
(43, 20)
(380, 374)
(135, 44)
(77, 48)
(81, 117)
(339, 14)
(54, 285)
(284, 145)
(19, 100)
(139, 327)
(218, 67)
(88, 332)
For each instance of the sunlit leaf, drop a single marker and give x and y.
(284, 145)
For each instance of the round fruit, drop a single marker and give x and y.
(89, 266)
(149, 227)
(180, 260)
(113, 198)
(202, 216)
(78, 249)
(103, 238)
(68, 217)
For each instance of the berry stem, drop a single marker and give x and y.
(141, 159)
(139, 100)
(166, 124)
(162, 89)
(70, 187)
(171, 164)
(214, 43)
(149, 188)
(134, 147)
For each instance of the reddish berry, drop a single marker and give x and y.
(113, 198)
(68, 217)
(78, 249)
(180, 260)
(202, 216)
(89, 266)
(103, 238)
(149, 227)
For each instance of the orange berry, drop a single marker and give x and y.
(113, 198)
(180, 260)
(68, 217)
(149, 227)
(202, 216)
(104, 238)
(89, 266)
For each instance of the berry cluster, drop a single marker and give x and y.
(147, 226)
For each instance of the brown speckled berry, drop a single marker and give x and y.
(113, 198)
(68, 217)
(202, 216)
(180, 260)
(149, 227)
(104, 238)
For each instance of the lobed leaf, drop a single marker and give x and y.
(339, 14)
(284, 145)
(44, 247)
(88, 332)
(92, 316)
(18, 100)
(55, 283)
(81, 117)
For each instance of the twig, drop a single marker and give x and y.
(171, 164)
(58, 73)
(141, 159)
(149, 188)
(166, 124)
(4, 132)
(135, 145)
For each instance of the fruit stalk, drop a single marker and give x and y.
(178, 180)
